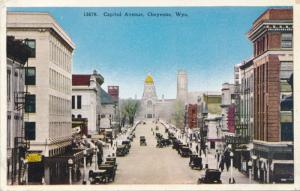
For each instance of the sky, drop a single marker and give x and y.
(207, 44)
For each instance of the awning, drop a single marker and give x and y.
(283, 161)
(75, 155)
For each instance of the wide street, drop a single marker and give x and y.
(152, 165)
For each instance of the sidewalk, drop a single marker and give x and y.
(239, 177)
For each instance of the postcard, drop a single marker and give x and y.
(149, 96)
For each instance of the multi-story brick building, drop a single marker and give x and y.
(272, 38)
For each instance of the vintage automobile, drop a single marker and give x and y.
(106, 173)
(122, 150)
(184, 151)
(111, 161)
(176, 143)
(143, 141)
(158, 136)
(212, 176)
(195, 162)
(127, 144)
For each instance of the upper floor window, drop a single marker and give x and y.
(286, 40)
(79, 102)
(73, 102)
(8, 85)
(30, 130)
(30, 103)
(30, 76)
(32, 44)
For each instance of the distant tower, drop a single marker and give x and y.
(182, 86)
(149, 98)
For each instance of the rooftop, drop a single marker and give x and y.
(81, 79)
(37, 20)
(106, 98)
(274, 14)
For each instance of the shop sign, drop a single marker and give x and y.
(34, 157)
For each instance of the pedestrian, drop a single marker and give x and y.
(197, 149)
(78, 174)
(221, 165)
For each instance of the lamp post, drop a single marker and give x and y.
(250, 170)
(26, 171)
(206, 153)
(70, 163)
(231, 168)
(84, 166)
(96, 150)
(253, 157)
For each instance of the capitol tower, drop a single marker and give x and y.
(149, 98)
(182, 86)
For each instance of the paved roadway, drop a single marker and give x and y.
(151, 165)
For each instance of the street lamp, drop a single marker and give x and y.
(84, 165)
(231, 181)
(70, 163)
(26, 170)
(250, 170)
(206, 153)
(96, 150)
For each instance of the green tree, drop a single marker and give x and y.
(129, 108)
(178, 114)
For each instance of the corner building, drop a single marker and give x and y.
(48, 106)
(272, 38)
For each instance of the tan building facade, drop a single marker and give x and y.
(48, 106)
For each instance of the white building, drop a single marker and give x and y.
(228, 93)
(86, 99)
(48, 107)
(17, 56)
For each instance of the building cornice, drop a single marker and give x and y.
(270, 26)
(37, 21)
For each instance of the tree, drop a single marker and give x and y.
(129, 109)
(178, 114)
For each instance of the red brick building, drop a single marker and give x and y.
(272, 38)
(191, 115)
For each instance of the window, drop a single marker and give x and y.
(30, 76)
(287, 132)
(30, 130)
(73, 102)
(32, 44)
(78, 102)
(30, 103)
(79, 116)
(8, 85)
(286, 40)
(286, 70)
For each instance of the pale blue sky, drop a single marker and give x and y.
(207, 44)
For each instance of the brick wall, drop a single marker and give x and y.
(267, 98)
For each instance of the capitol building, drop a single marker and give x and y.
(153, 107)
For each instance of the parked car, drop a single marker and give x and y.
(143, 141)
(195, 162)
(184, 151)
(212, 176)
(122, 150)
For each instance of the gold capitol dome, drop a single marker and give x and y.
(149, 79)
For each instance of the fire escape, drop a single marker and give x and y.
(19, 51)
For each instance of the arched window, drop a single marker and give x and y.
(149, 104)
